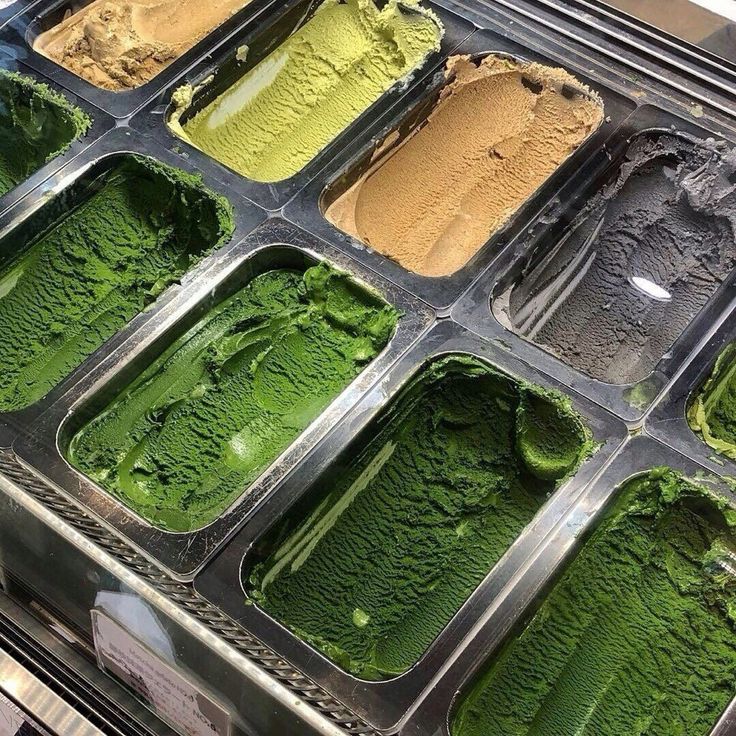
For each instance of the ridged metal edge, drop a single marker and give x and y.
(187, 599)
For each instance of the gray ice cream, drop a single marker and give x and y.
(620, 285)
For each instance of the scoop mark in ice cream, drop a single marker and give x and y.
(638, 636)
(380, 555)
(201, 423)
(123, 44)
(102, 254)
(285, 110)
(668, 217)
(36, 126)
(499, 129)
(712, 413)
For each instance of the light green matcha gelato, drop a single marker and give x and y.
(712, 414)
(285, 110)
(100, 255)
(376, 560)
(36, 125)
(195, 429)
(637, 638)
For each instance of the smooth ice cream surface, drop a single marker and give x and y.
(624, 280)
(36, 125)
(202, 422)
(499, 129)
(638, 637)
(100, 254)
(712, 414)
(379, 556)
(285, 110)
(122, 44)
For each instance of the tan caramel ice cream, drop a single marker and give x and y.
(499, 130)
(122, 44)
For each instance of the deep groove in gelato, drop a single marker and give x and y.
(203, 421)
(498, 131)
(36, 125)
(123, 44)
(712, 413)
(284, 111)
(620, 285)
(378, 557)
(638, 636)
(90, 269)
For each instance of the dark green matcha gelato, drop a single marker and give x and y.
(36, 125)
(638, 636)
(383, 552)
(712, 414)
(196, 428)
(98, 257)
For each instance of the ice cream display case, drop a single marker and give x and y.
(367, 368)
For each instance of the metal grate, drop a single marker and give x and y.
(188, 599)
(65, 683)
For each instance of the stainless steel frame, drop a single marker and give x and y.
(76, 548)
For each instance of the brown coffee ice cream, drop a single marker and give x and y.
(122, 44)
(500, 128)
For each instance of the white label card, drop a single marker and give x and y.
(174, 697)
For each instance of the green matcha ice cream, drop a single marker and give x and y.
(389, 545)
(197, 427)
(98, 254)
(36, 125)
(638, 637)
(284, 111)
(712, 414)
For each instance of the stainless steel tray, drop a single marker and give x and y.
(275, 244)
(667, 421)
(347, 167)
(51, 193)
(479, 308)
(384, 703)
(519, 601)
(101, 124)
(222, 68)
(35, 17)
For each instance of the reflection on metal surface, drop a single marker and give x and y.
(710, 24)
(45, 707)
(726, 8)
